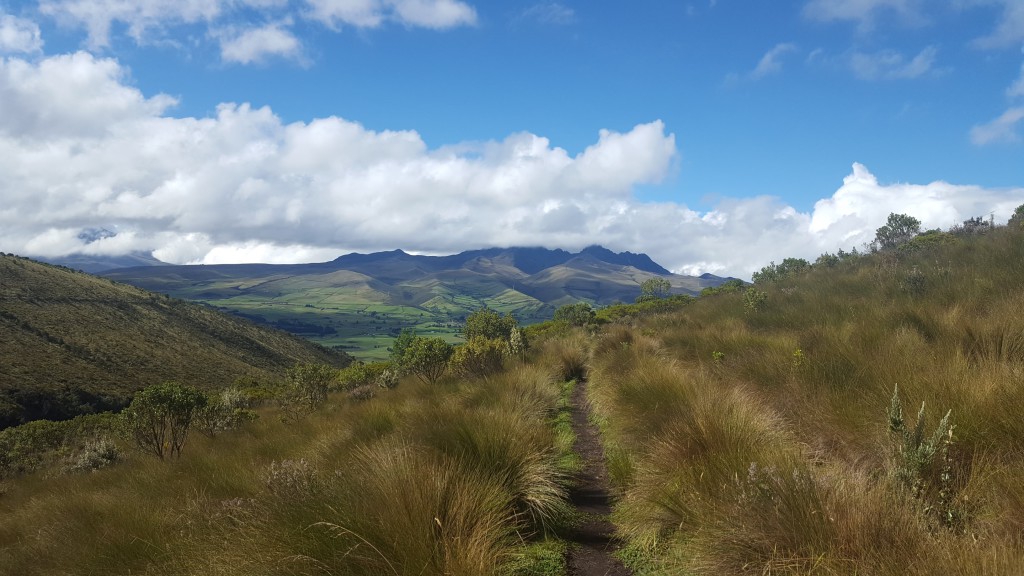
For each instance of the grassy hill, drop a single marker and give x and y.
(859, 416)
(360, 302)
(800, 429)
(74, 343)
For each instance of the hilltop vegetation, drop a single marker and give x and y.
(76, 344)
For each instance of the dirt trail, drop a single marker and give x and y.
(594, 539)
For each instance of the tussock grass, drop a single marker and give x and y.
(758, 441)
(455, 479)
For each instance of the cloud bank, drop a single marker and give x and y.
(82, 150)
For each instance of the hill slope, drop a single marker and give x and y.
(74, 343)
(758, 431)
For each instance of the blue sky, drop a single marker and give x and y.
(714, 135)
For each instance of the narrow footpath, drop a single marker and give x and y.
(593, 541)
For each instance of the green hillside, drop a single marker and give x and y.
(74, 343)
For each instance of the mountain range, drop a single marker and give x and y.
(360, 301)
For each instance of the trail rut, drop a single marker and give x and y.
(593, 540)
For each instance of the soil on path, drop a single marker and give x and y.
(593, 541)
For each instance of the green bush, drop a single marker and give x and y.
(159, 418)
(479, 357)
(578, 314)
(427, 358)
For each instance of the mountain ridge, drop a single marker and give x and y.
(361, 301)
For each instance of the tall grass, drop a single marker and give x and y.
(757, 441)
(445, 479)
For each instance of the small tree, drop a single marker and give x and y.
(774, 272)
(159, 417)
(654, 289)
(427, 358)
(401, 345)
(487, 323)
(898, 230)
(1017, 220)
(578, 314)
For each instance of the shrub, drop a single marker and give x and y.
(96, 454)
(921, 465)
(486, 323)
(361, 374)
(774, 272)
(517, 344)
(225, 411)
(427, 358)
(400, 346)
(754, 300)
(388, 379)
(160, 416)
(578, 314)
(362, 393)
(479, 357)
(306, 389)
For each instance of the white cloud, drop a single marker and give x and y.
(771, 62)
(863, 12)
(152, 21)
(141, 17)
(243, 186)
(334, 13)
(257, 44)
(1009, 30)
(18, 35)
(436, 14)
(1016, 90)
(889, 64)
(1002, 129)
(548, 13)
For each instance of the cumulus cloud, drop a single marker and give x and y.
(890, 64)
(242, 185)
(18, 35)
(257, 44)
